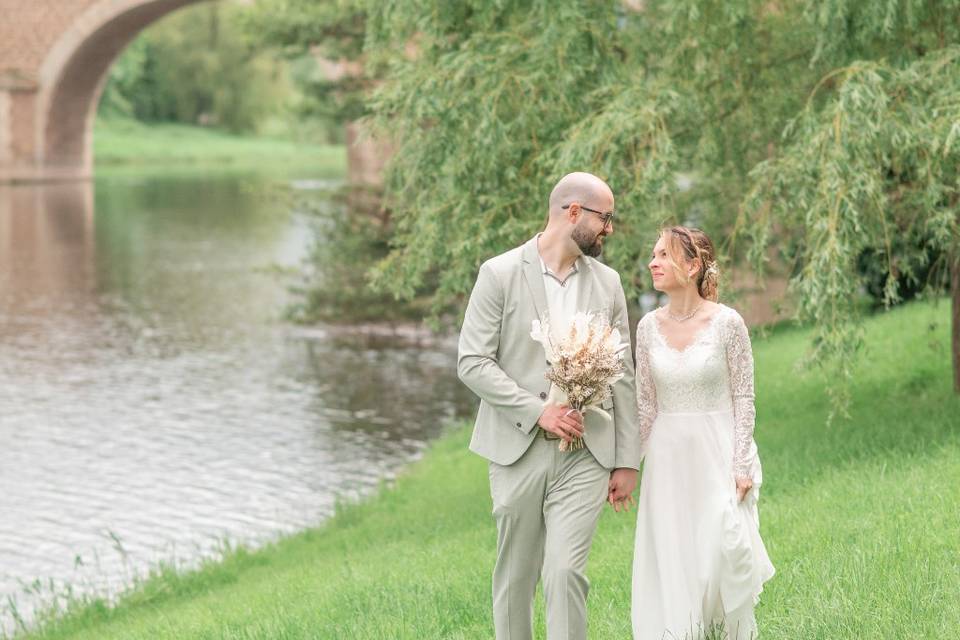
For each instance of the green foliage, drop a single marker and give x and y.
(347, 242)
(691, 110)
(305, 30)
(198, 67)
(127, 83)
(501, 99)
(861, 526)
(477, 114)
(872, 168)
(333, 28)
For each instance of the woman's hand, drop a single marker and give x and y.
(744, 484)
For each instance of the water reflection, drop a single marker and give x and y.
(152, 402)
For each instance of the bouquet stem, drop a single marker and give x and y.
(577, 443)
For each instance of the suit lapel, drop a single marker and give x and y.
(533, 274)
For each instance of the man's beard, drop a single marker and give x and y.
(588, 242)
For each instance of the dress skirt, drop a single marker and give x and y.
(699, 561)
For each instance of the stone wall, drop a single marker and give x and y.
(54, 58)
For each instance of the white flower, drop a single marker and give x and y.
(613, 342)
(541, 333)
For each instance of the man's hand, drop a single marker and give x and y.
(744, 484)
(620, 491)
(563, 421)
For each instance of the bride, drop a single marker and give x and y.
(699, 563)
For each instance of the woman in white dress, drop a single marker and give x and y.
(699, 563)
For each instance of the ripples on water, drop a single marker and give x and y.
(153, 405)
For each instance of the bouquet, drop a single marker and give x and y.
(585, 359)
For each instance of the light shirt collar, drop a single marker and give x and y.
(547, 271)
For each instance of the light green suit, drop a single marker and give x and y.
(546, 503)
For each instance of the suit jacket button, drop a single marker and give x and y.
(543, 395)
(548, 363)
(519, 425)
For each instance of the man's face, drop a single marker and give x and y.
(587, 238)
(590, 231)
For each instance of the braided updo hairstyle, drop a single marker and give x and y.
(685, 244)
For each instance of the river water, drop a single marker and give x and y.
(155, 406)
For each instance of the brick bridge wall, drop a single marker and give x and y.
(54, 59)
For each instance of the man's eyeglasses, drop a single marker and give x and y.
(605, 218)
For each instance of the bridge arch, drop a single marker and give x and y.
(55, 56)
(73, 74)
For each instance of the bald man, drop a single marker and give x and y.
(546, 502)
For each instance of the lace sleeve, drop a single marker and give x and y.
(740, 365)
(646, 392)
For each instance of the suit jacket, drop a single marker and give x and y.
(504, 366)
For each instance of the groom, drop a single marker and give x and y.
(546, 502)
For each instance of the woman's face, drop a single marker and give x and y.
(662, 270)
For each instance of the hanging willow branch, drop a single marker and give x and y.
(876, 158)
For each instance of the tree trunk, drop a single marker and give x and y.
(955, 321)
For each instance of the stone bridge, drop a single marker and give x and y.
(54, 59)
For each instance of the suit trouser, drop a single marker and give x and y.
(546, 506)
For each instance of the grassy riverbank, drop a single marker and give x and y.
(860, 520)
(128, 142)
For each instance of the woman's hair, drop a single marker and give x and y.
(687, 243)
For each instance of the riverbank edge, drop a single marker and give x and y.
(123, 142)
(65, 612)
(906, 478)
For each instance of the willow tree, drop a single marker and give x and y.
(874, 167)
(828, 126)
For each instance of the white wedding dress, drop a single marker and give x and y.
(698, 557)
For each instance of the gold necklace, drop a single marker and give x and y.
(686, 317)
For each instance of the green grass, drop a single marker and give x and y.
(859, 518)
(128, 142)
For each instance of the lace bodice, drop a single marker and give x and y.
(713, 373)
